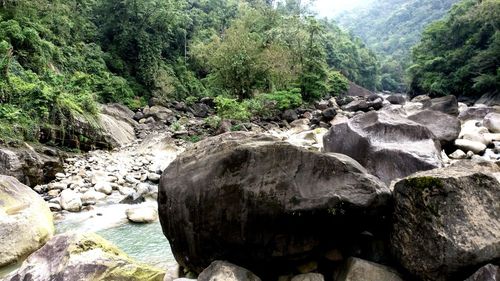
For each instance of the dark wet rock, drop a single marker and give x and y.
(363, 105)
(200, 110)
(388, 145)
(290, 115)
(446, 220)
(445, 127)
(29, 165)
(329, 114)
(261, 203)
(396, 99)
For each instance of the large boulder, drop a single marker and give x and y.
(82, 257)
(446, 221)
(262, 203)
(492, 98)
(477, 112)
(25, 221)
(112, 127)
(444, 126)
(446, 104)
(31, 165)
(388, 145)
(358, 91)
(221, 270)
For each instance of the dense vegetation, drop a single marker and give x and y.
(391, 28)
(460, 55)
(60, 58)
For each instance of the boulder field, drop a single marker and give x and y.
(285, 212)
(266, 204)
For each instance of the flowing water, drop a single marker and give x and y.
(143, 242)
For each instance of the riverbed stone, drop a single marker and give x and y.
(26, 222)
(70, 200)
(83, 257)
(469, 145)
(446, 220)
(357, 269)
(261, 202)
(142, 214)
(492, 122)
(221, 270)
(458, 154)
(309, 277)
(104, 187)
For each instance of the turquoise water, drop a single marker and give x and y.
(144, 242)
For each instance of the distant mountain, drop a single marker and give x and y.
(391, 28)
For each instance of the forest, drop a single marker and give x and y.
(59, 59)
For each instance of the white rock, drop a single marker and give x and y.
(492, 122)
(104, 187)
(154, 177)
(458, 154)
(70, 200)
(468, 145)
(361, 270)
(309, 277)
(142, 214)
(92, 196)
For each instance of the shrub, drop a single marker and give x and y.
(228, 108)
(213, 121)
(284, 99)
(337, 83)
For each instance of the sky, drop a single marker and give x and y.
(329, 8)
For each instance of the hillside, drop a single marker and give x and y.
(60, 58)
(391, 28)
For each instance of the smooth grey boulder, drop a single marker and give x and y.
(446, 220)
(469, 145)
(221, 270)
(261, 203)
(357, 269)
(388, 145)
(82, 257)
(488, 272)
(477, 112)
(26, 222)
(492, 122)
(445, 127)
(446, 104)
